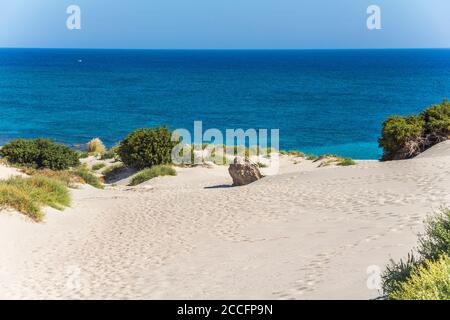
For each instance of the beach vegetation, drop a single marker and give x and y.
(429, 281)
(404, 137)
(95, 146)
(110, 154)
(401, 137)
(435, 240)
(88, 177)
(422, 274)
(311, 157)
(295, 154)
(153, 172)
(98, 166)
(113, 172)
(67, 177)
(39, 153)
(144, 148)
(29, 195)
(113, 169)
(82, 154)
(344, 162)
(437, 119)
(332, 159)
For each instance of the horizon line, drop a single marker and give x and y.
(226, 49)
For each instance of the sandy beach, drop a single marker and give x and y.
(307, 233)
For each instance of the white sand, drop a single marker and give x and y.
(307, 233)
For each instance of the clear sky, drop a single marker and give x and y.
(216, 24)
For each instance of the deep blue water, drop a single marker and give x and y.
(323, 101)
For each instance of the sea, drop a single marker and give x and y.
(322, 101)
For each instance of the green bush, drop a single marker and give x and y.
(437, 119)
(28, 195)
(88, 177)
(434, 244)
(82, 154)
(312, 157)
(151, 173)
(345, 162)
(146, 147)
(397, 132)
(436, 239)
(406, 137)
(430, 281)
(98, 166)
(39, 153)
(110, 154)
(397, 273)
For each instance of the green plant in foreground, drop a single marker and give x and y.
(430, 281)
(397, 273)
(151, 173)
(436, 239)
(433, 245)
(29, 195)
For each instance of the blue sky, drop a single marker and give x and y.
(227, 24)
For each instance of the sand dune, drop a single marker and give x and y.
(304, 234)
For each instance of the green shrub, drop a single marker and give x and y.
(397, 132)
(406, 137)
(15, 198)
(28, 195)
(397, 273)
(110, 154)
(153, 172)
(114, 169)
(434, 243)
(344, 162)
(430, 281)
(312, 157)
(88, 177)
(82, 154)
(436, 239)
(98, 166)
(146, 147)
(113, 172)
(65, 176)
(39, 153)
(437, 119)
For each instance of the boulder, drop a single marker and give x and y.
(244, 172)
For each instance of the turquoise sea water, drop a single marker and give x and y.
(323, 101)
